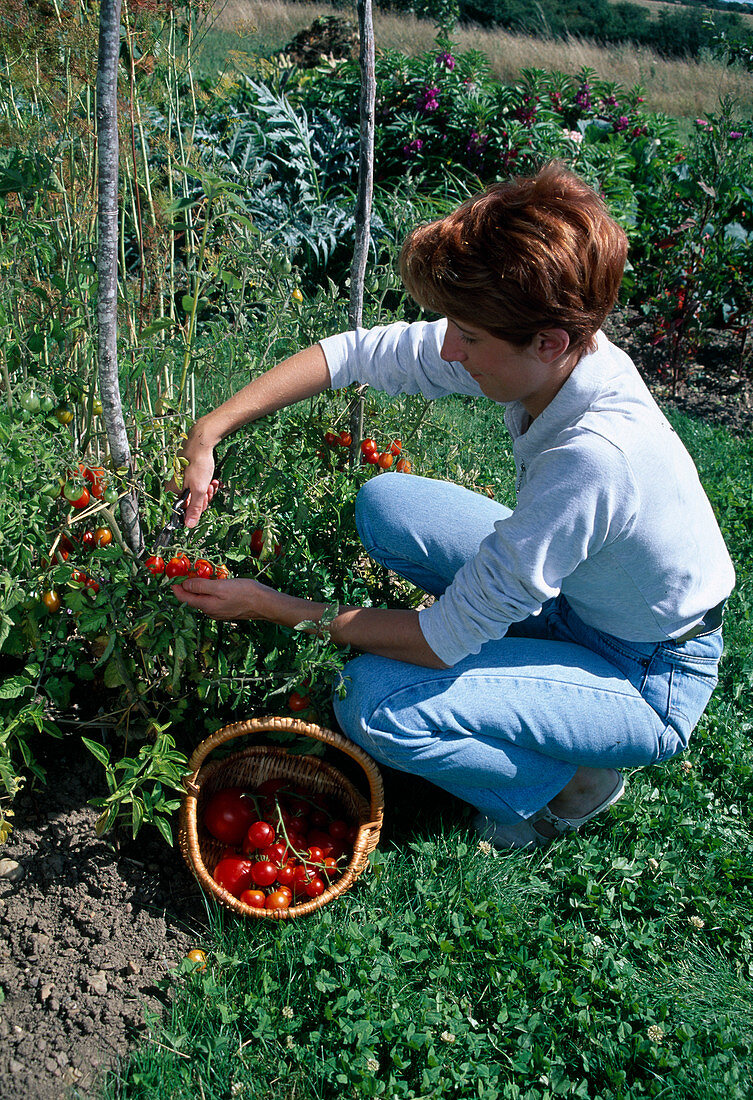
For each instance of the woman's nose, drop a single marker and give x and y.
(452, 350)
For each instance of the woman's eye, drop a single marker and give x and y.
(466, 339)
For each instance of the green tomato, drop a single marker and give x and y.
(111, 496)
(47, 404)
(30, 401)
(72, 490)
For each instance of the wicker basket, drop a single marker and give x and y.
(252, 766)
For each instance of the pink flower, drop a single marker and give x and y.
(734, 135)
(413, 148)
(446, 59)
(428, 100)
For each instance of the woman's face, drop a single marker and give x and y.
(505, 372)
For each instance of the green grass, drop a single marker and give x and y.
(613, 966)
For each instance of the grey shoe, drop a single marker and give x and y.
(500, 834)
(523, 834)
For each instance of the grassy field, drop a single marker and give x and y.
(680, 88)
(616, 964)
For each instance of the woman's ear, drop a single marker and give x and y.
(551, 344)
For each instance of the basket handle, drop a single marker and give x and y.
(288, 725)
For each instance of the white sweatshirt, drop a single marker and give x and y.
(610, 509)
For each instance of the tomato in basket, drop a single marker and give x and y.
(229, 814)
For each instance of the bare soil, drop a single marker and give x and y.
(89, 931)
(85, 936)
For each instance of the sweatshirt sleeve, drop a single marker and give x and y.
(397, 358)
(577, 499)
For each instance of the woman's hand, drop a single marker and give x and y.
(232, 599)
(198, 479)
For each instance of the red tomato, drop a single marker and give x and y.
(338, 829)
(385, 460)
(92, 585)
(81, 501)
(404, 466)
(278, 899)
(318, 819)
(178, 566)
(255, 898)
(221, 572)
(87, 540)
(263, 873)
(234, 875)
(298, 701)
(331, 439)
(302, 875)
(257, 543)
(368, 446)
(372, 457)
(316, 887)
(102, 536)
(228, 815)
(316, 855)
(203, 568)
(352, 833)
(286, 874)
(345, 439)
(331, 867)
(275, 853)
(155, 564)
(396, 447)
(259, 835)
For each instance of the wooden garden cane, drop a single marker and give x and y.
(107, 259)
(363, 203)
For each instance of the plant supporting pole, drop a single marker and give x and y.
(363, 203)
(107, 259)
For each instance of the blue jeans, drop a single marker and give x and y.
(507, 729)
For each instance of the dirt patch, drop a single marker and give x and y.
(88, 932)
(85, 936)
(716, 383)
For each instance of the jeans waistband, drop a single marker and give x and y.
(710, 621)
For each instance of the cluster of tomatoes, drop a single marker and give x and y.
(370, 452)
(90, 484)
(282, 844)
(180, 565)
(65, 546)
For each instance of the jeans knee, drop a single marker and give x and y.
(374, 505)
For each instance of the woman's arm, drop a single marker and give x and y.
(387, 633)
(302, 375)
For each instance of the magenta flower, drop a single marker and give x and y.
(446, 59)
(622, 123)
(735, 134)
(413, 148)
(583, 96)
(428, 100)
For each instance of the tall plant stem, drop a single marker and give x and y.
(107, 258)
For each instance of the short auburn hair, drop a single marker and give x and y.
(526, 254)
